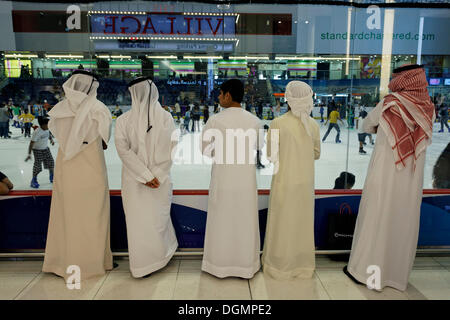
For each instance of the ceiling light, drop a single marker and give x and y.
(162, 57)
(70, 56)
(15, 55)
(203, 57)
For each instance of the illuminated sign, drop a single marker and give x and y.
(68, 65)
(13, 67)
(435, 81)
(162, 46)
(162, 24)
(301, 68)
(236, 67)
(447, 82)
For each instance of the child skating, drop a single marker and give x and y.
(27, 119)
(41, 151)
(361, 134)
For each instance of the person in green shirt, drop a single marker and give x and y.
(351, 116)
(16, 114)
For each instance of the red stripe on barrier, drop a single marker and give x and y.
(205, 192)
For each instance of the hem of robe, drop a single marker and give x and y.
(61, 273)
(301, 273)
(140, 272)
(385, 283)
(223, 272)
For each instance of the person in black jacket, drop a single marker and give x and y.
(5, 185)
(346, 180)
(260, 110)
(441, 170)
(195, 116)
(205, 114)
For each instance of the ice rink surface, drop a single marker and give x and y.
(197, 176)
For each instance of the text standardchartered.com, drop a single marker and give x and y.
(375, 36)
(224, 310)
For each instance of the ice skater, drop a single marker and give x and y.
(361, 134)
(4, 120)
(41, 151)
(443, 113)
(195, 115)
(178, 111)
(205, 114)
(350, 116)
(333, 118)
(187, 119)
(21, 124)
(16, 114)
(27, 119)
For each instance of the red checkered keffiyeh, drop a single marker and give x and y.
(408, 115)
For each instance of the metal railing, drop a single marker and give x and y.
(199, 252)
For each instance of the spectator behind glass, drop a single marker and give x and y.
(441, 170)
(4, 121)
(5, 185)
(340, 182)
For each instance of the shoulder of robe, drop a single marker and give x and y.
(60, 110)
(101, 108)
(380, 103)
(314, 123)
(252, 116)
(212, 118)
(122, 118)
(167, 115)
(168, 118)
(275, 123)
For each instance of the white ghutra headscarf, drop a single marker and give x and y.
(80, 103)
(299, 96)
(147, 117)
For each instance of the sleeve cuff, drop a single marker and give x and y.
(159, 174)
(146, 177)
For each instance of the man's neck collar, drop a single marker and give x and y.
(235, 105)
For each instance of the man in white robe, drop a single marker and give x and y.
(385, 239)
(232, 239)
(143, 142)
(78, 231)
(289, 249)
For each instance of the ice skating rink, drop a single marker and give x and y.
(186, 175)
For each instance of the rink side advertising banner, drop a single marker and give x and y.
(24, 217)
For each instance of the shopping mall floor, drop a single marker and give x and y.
(182, 279)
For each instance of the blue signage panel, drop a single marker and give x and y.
(24, 221)
(163, 25)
